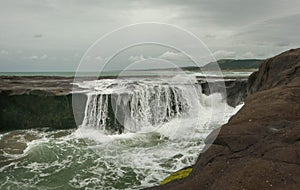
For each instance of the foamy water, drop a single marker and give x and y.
(92, 158)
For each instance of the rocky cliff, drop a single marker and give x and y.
(259, 148)
(276, 71)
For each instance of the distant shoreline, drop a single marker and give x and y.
(119, 73)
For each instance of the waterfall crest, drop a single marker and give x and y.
(126, 105)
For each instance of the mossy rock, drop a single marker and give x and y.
(177, 175)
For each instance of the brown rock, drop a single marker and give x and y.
(259, 148)
(276, 71)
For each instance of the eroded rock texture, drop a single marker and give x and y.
(259, 148)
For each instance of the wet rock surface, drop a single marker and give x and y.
(46, 101)
(259, 148)
(234, 91)
(36, 102)
(37, 110)
(36, 84)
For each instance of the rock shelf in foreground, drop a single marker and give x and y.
(259, 148)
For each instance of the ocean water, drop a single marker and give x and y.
(227, 73)
(165, 124)
(59, 74)
(105, 73)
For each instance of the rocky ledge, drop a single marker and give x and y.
(46, 101)
(259, 148)
(36, 102)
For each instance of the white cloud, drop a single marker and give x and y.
(136, 58)
(222, 54)
(99, 58)
(34, 57)
(44, 56)
(173, 56)
(169, 56)
(4, 52)
(248, 54)
(19, 51)
(37, 57)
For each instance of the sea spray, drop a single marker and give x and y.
(94, 155)
(127, 105)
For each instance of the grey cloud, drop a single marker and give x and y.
(247, 28)
(283, 31)
(38, 35)
(4, 52)
(223, 54)
(37, 57)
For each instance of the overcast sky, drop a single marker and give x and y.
(52, 35)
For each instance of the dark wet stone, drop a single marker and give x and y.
(234, 90)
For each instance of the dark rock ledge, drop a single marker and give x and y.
(259, 148)
(36, 102)
(46, 101)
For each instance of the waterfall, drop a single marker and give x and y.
(123, 105)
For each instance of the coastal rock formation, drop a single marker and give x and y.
(259, 148)
(44, 101)
(235, 90)
(276, 71)
(36, 109)
(35, 102)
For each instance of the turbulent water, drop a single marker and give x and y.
(129, 105)
(134, 133)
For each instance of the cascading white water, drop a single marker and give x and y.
(170, 120)
(96, 111)
(127, 105)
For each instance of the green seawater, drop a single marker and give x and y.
(89, 159)
(41, 159)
